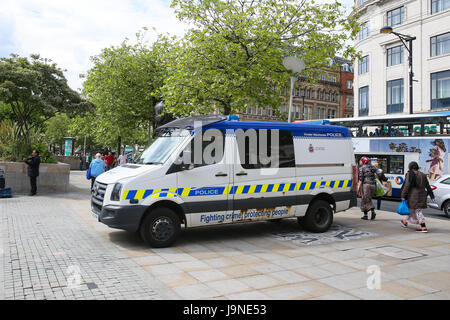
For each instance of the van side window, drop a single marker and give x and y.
(207, 141)
(286, 154)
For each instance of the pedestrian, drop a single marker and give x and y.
(81, 162)
(415, 190)
(382, 178)
(109, 159)
(88, 160)
(33, 163)
(97, 168)
(367, 187)
(122, 159)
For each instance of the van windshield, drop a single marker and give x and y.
(161, 149)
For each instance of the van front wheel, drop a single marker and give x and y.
(319, 217)
(160, 228)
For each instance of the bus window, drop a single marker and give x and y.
(382, 163)
(396, 165)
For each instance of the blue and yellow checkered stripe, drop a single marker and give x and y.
(243, 189)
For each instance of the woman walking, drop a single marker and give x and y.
(97, 168)
(415, 190)
(367, 187)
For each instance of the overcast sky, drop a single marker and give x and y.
(71, 31)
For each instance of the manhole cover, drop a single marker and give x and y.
(335, 233)
(396, 252)
(91, 285)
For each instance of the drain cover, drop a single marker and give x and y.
(91, 285)
(398, 253)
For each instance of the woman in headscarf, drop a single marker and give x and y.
(367, 187)
(415, 190)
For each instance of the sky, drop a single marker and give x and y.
(69, 32)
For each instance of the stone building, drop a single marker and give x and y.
(321, 100)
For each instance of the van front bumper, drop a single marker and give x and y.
(119, 217)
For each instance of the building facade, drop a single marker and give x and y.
(381, 81)
(321, 100)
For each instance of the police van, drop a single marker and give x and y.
(210, 170)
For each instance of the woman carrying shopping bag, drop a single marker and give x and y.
(415, 191)
(367, 187)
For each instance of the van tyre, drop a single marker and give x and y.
(319, 217)
(160, 228)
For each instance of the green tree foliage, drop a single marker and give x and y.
(124, 85)
(56, 129)
(34, 91)
(232, 56)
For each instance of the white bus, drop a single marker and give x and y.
(426, 134)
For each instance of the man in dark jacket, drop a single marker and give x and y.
(33, 163)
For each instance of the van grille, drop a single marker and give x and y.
(98, 194)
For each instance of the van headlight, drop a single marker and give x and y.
(115, 194)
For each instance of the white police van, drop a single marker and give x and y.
(210, 170)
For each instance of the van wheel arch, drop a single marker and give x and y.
(166, 204)
(326, 197)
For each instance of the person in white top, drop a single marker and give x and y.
(122, 159)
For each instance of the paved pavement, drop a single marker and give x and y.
(46, 240)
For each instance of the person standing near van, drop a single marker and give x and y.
(97, 168)
(382, 178)
(109, 159)
(415, 191)
(33, 163)
(367, 187)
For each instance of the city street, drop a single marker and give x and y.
(52, 248)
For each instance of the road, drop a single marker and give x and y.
(391, 205)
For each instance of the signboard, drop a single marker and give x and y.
(129, 153)
(68, 147)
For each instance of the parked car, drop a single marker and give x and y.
(441, 190)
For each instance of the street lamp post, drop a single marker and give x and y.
(297, 66)
(409, 47)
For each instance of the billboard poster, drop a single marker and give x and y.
(433, 153)
(68, 147)
(129, 153)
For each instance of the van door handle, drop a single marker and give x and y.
(242, 173)
(221, 174)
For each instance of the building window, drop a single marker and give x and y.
(439, 5)
(364, 32)
(440, 90)
(260, 111)
(440, 44)
(363, 65)
(396, 16)
(331, 114)
(320, 113)
(307, 113)
(394, 56)
(308, 93)
(349, 84)
(394, 101)
(297, 111)
(364, 101)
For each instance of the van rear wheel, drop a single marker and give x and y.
(319, 217)
(160, 228)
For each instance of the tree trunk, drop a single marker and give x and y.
(119, 144)
(226, 110)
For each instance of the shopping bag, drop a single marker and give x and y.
(403, 208)
(380, 189)
(388, 186)
(88, 174)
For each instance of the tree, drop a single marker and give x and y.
(35, 91)
(124, 84)
(232, 56)
(56, 129)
